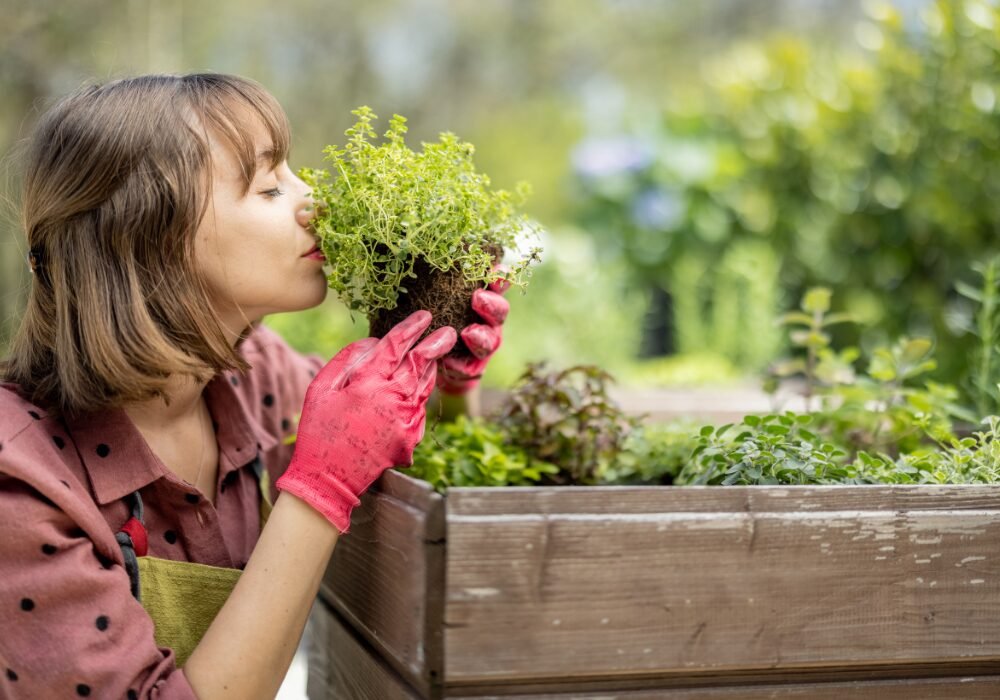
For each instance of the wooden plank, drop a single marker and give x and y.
(715, 499)
(960, 688)
(386, 577)
(352, 669)
(576, 584)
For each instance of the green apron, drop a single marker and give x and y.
(181, 597)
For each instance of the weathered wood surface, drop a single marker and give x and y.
(350, 669)
(386, 577)
(958, 688)
(575, 584)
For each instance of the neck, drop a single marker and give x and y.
(185, 399)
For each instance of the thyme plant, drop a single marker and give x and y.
(385, 207)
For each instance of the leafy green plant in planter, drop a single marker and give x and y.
(868, 427)
(405, 230)
(884, 424)
(876, 410)
(780, 449)
(566, 418)
(472, 452)
(556, 427)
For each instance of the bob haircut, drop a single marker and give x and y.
(117, 178)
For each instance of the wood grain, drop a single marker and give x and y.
(588, 583)
(353, 670)
(959, 688)
(386, 577)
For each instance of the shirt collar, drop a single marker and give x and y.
(118, 460)
(240, 433)
(114, 454)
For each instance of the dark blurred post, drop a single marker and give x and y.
(658, 325)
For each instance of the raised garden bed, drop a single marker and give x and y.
(663, 592)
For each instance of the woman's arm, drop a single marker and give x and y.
(247, 650)
(363, 414)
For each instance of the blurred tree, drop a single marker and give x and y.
(522, 80)
(864, 168)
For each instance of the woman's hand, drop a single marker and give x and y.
(363, 414)
(459, 375)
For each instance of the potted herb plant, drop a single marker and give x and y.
(405, 230)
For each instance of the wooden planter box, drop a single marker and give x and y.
(663, 592)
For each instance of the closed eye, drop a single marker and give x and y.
(272, 193)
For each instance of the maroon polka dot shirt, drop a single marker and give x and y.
(69, 626)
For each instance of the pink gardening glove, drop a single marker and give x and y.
(363, 414)
(459, 375)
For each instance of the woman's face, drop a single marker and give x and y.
(254, 249)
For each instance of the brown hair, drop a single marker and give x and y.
(117, 178)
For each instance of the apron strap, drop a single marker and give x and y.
(133, 541)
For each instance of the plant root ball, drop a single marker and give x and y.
(445, 294)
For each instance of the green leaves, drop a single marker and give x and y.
(382, 207)
(817, 300)
(567, 418)
(473, 452)
(907, 359)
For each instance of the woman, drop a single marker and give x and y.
(143, 411)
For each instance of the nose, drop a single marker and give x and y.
(306, 213)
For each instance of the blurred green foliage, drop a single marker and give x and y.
(521, 80)
(866, 169)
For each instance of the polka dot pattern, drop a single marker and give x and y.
(99, 461)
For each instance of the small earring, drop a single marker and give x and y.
(34, 260)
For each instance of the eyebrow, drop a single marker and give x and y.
(266, 155)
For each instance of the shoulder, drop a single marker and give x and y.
(276, 367)
(265, 344)
(41, 473)
(16, 412)
(273, 391)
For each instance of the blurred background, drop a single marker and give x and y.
(696, 165)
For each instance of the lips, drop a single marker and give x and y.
(315, 254)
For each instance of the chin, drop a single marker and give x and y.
(315, 297)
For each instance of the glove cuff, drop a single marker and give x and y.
(323, 492)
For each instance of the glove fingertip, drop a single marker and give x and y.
(491, 306)
(481, 340)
